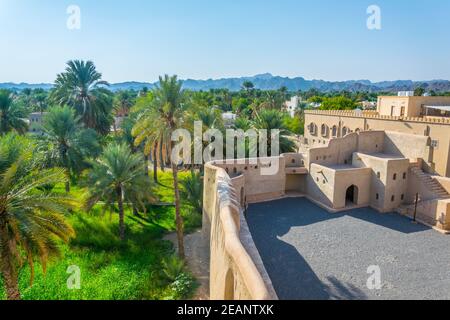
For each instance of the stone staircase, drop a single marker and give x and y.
(432, 185)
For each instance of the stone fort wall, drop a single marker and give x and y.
(330, 124)
(236, 270)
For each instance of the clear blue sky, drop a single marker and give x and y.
(140, 39)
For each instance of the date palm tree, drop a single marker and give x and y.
(248, 86)
(154, 151)
(273, 120)
(156, 125)
(192, 191)
(117, 177)
(31, 217)
(123, 102)
(11, 115)
(66, 142)
(82, 88)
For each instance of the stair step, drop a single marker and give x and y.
(430, 183)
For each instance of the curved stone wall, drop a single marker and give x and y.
(236, 270)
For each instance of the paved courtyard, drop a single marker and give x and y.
(312, 254)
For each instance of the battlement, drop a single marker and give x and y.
(376, 115)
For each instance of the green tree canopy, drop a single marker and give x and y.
(117, 177)
(31, 217)
(12, 115)
(156, 125)
(82, 88)
(66, 143)
(338, 103)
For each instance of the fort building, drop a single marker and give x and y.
(393, 160)
(420, 116)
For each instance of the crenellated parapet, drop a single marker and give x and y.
(376, 115)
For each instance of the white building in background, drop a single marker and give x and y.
(293, 105)
(228, 119)
(35, 121)
(368, 105)
(406, 93)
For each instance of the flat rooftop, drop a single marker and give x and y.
(312, 254)
(342, 167)
(383, 156)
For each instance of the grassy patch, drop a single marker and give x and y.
(110, 269)
(164, 214)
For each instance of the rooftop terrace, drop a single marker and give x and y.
(311, 254)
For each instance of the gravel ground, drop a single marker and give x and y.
(312, 254)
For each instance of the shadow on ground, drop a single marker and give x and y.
(292, 276)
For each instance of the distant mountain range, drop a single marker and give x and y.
(269, 82)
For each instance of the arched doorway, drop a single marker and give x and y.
(351, 196)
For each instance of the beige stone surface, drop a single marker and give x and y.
(436, 130)
(233, 272)
(381, 162)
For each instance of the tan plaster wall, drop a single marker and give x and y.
(407, 145)
(377, 185)
(319, 184)
(259, 186)
(435, 213)
(233, 272)
(412, 105)
(385, 186)
(329, 186)
(346, 178)
(437, 130)
(391, 106)
(396, 189)
(294, 160)
(339, 151)
(371, 141)
(237, 271)
(296, 183)
(443, 214)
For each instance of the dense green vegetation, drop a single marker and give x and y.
(111, 268)
(31, 215)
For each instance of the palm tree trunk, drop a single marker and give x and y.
(9, 274)
(114, 126)
(161, 157)
(66, 166)
(146, 162)
(121, 214)
(155, 163)
(135, 211)
(179, 218)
